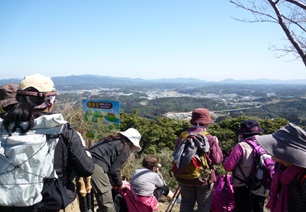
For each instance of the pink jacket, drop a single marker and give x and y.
(241, 154)
(137, 203)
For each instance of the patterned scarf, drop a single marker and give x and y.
(48, 101)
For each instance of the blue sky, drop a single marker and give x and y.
(149, 39)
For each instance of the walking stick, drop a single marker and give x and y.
(226, 191)
(174, 199)
(89, 196)
(84, 192)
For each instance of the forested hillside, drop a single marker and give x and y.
(144, 106)
(159, 135)
(275, 106)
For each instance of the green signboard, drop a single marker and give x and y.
(101, 118)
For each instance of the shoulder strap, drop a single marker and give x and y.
(239, 167)
(243, 174)
(252, 143)
(63, 168)
(301, 177)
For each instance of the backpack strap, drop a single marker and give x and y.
(52, 136)
(301, 177)
(252, 143)
(243, 174)
(240, 169)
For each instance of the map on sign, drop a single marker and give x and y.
(101, 118)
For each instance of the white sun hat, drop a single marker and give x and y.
(134, 136)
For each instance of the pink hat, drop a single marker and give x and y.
(201, 116)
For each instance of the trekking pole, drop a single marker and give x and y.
(174, 199)
(226, 191)
(89, 197)
(82, 195)
(89, 203)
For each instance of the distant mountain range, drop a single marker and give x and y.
(92, 81)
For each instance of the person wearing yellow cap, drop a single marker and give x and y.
(38, 151)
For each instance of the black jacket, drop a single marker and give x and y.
(76, 161)
(297, 196)
(111, 155)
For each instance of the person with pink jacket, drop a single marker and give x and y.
(241, 160)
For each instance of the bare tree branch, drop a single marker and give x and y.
(292, 22)
(298, 3)
(286, 30)
(255, 12)
(295, 22)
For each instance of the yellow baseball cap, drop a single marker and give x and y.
(39, 82)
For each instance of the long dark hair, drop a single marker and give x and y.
(23, 111)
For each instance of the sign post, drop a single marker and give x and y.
(101, 118)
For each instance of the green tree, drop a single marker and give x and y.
(159, 136)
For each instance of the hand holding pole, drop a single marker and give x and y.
(82, 194)
(88, 193)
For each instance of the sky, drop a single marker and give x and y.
(148, 39)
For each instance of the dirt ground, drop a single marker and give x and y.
(163, 205)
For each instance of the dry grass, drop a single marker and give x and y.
(163, 204)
